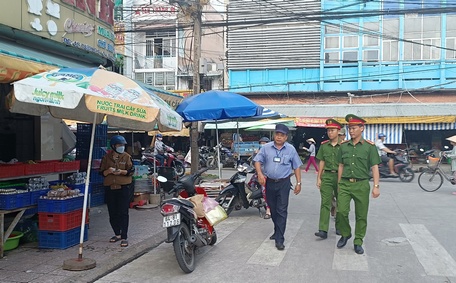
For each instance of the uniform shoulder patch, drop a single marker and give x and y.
(370, 142)
(345, 141)
(323, 142)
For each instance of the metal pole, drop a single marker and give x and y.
(218, 152)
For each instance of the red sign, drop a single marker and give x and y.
(105, 14)
(310, 122)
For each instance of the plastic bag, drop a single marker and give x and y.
(209, 204)
(216, 215)
(197, 201)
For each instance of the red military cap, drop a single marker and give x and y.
(352, 119)
(332, 124)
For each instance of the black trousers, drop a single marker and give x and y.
(278, 194)
(118, 202)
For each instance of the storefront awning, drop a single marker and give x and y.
(387, 113)
(431, 127)
(18, 62)
(393, 132)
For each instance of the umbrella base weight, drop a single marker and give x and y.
(76, 264)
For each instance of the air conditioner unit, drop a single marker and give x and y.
(203, 66)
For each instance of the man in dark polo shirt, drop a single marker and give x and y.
(357, 157)
(275, 163)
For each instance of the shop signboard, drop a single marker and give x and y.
(311, 122)
(83, 24)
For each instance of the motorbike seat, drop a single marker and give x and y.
(185, 202)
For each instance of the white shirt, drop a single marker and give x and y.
(380, 146)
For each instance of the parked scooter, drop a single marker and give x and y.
(185, 230)
(234, 196)
(171, 160)
(401, 167)
(226, 157)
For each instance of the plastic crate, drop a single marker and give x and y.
(31, 211)
(60, 206)
(60, 221)
(15, 200)
(35, 195)
(97, 199)
(67, 166)
(39, 168)
(98, 141)
(61, 240)
(95, 176)
(86, 130)
(11, 170)
(83, 152)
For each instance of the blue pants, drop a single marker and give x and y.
(160, 158)
(278, 194)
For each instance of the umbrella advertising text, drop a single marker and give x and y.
(109, 107)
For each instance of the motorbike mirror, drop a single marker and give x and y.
(162, 179)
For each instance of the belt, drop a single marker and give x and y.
(354, 180)
(331, 171)
(277, 180)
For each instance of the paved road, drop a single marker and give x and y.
(410, 238)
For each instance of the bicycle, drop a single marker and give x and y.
(431, 179)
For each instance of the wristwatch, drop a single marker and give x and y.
(298, 184)
(377, 186)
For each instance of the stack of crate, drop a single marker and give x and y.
(100, 145)
(59, 222)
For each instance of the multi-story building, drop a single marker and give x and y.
(160, 48)
(391, 62)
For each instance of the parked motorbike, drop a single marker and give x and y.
(185, 230)
(401, 167)
(226, 157)
(148, 158)
(234, 196)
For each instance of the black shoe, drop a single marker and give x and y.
(280, 247)
(337, 232)
(343, 241)
(359, 250)
(322, 234)
(272, 237)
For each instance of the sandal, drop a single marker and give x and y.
(114, 239)
(124, 243)
(267, 216)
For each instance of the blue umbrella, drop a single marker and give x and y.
(217, 105)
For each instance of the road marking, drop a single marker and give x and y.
(267, 253)
(432, 256)
(228, 226)
(346, 259)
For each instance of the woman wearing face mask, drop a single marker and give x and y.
(117, 169)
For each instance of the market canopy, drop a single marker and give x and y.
(248, 124)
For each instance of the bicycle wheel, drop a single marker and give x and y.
(430, 180)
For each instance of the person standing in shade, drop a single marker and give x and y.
(356, 158)
(275, 163)
(312, 152)
(117, 169)
(327, 176)
(160, 149)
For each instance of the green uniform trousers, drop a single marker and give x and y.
(359, 192)
(328, 189)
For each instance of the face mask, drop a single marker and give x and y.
(261, 145)
(159, 139)
(120, 149)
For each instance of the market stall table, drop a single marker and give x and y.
(4, 235)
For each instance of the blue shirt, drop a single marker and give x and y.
(289, 160)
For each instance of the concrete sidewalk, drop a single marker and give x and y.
(28, 263)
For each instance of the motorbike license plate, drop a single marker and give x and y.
(171, 220)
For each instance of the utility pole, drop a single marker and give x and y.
(196, 16)
(192, 9)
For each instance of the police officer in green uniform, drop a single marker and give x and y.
(356, 157)
(327, 175)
